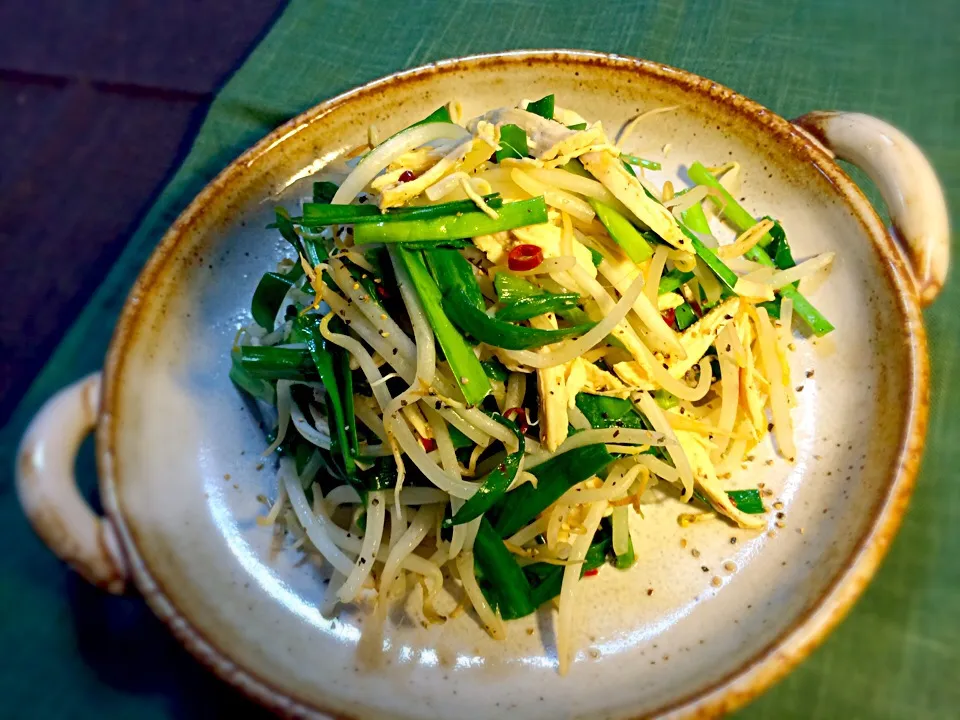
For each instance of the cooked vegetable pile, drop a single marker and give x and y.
(493, 339)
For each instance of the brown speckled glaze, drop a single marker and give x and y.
(206, 570)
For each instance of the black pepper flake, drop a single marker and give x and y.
(769, 427)
(809, 373)
(780, 516)
(649, 591)
(439, 405)
(705, 568)
(733, 541)
(665, 366)
(616, 433)
(395, 351)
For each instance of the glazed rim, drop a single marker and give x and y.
(769, 664)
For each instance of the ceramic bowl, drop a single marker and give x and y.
(710, 615)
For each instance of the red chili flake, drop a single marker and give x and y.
(406, 176)
(521, 413)
(697, 310)
(382, 292)
(670, 317)
(524, 257)
(591, 573)
(429, 444)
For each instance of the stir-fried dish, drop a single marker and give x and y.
(492, 339)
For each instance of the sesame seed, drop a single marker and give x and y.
(715, 581)
(729, 566)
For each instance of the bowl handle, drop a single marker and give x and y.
(47, 486)
(907, 182)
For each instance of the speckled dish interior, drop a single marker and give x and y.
(703, 605)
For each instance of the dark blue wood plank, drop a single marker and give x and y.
(101, 102)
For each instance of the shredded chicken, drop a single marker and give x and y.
(698, 338)
(586, 377)
(607, 168)
(547, 139)
(698, 453)
(552, 387)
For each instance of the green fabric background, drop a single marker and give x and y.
(69, 651)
